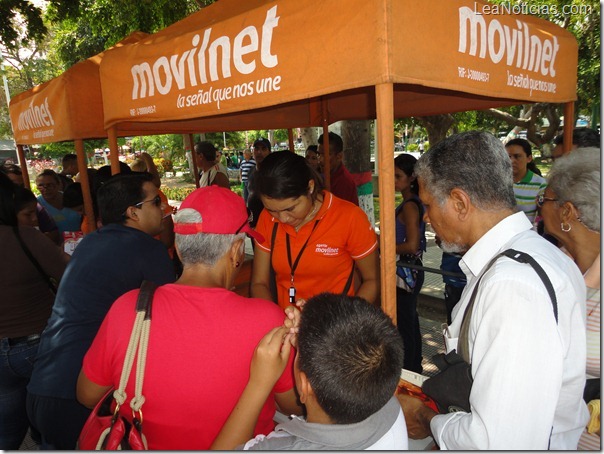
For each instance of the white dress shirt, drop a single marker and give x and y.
(529, 372)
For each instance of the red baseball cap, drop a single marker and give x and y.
(222, 211)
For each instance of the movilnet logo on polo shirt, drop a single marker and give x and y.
(326, 250)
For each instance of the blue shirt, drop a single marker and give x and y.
(106, 264)
(67, 220)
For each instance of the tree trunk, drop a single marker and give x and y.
(356, 136)
(437, 126)
(309, 136)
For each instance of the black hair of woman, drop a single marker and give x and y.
(8, 214)
(285, 175)
(406, 162)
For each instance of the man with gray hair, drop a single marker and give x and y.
(527, 358)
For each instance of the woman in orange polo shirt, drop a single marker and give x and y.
(312, 239)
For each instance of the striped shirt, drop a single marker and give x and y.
(526, 191)
(592, 441)
(245, 168)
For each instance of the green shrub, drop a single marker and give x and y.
(177, 193)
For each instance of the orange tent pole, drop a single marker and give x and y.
(384, 96)
(569, 125)
(115, 157)
(83, 169)
(325, 121)
(23, 164)
(290, 136)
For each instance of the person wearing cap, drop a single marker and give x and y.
(211, 172)
(314, 240)
(261, 149)
(203, 335)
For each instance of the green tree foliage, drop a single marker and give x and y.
(84, 28)
(20, 22)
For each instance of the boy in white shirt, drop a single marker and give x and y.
(347, 369)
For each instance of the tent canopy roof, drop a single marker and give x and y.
(277, 64)
(68, 107)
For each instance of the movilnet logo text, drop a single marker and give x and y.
(209, 59)
(327, 250)
(35, 116)
(518, 46)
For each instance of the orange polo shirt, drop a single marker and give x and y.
(342, 235)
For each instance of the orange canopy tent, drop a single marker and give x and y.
(68, 107)
(279, 64)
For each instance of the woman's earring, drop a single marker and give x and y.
(562, 227)
(237, 264)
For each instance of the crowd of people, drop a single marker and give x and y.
(311, 340)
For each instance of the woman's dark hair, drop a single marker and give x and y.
(285, 175)
(72, 195)
(8, 214)
(23, 197)
(528, 150)
(406, 163)
(50, 173)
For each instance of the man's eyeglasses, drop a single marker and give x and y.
(155, 200)
(541, 199)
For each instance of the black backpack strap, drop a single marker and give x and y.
(521, 257)
(349, 281)
(272, 275)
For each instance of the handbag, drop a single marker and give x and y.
(451, 387)
(106, 428)
(406, 277)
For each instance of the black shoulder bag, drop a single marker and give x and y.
(451, 387)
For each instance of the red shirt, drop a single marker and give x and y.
(201, 343)
(342, 235)
(343, 185)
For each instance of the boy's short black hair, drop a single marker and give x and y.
(352, 355)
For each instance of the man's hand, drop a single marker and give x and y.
(417, 416)
(270, 358)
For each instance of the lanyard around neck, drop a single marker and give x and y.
(289, 252)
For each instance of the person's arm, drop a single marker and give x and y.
(88, 392)
(268, 363)
(151, 168)
(417, 416)
(260, 285)
(409, 215)
(370, 273)
(221, 180)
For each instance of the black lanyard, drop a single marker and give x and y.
(292, 289)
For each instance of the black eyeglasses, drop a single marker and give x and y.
(250, 218)
(155, 200)
(541, 199)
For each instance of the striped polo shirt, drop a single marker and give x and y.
(245, 168)
(526, 191)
